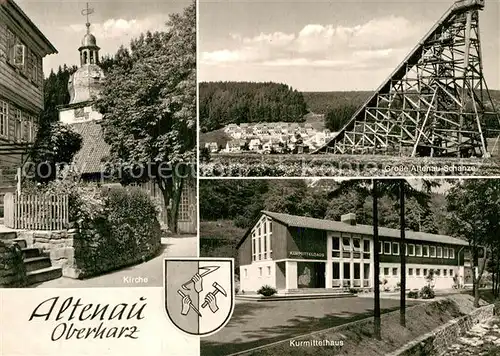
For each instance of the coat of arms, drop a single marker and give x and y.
(199, 293)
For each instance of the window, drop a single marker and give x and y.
(357, 270)
(417, 272)
(253, 250)
(26, 129)
(439, 252)
(381, 247)
(425, 251)
(245, 273)
(34, 67)
(357, 244)
(265, 246)
(425, 271)
(366, 246)
(268, 270)
(4, 118)
(387, 247)
(452, 252)
(366, 271)
(336, 247)
(366, 249)
(347, 270)
(386, 271)
(445, 272)
(432, 250)
(18, 129)
(445, 252)
(346, 244)
(264, 224)
(394, 271)
(395, 248)
(410, 271)
(270, 226)
(411, 250)
(260, 271)
(260, 246)
(336, 270)
(451, 273)
(418, 250)
(438, 272)
(19, 56)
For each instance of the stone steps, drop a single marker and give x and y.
(283, 297)
(43, 275)
(30, 252)
(301, 291)
(37, 263)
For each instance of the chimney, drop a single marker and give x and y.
(349, 218)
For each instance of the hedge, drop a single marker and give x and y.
(118, 230)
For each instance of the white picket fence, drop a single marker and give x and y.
(36, 212)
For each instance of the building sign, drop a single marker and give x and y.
(307, 244)
(301, 254)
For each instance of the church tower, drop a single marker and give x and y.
(84, 85)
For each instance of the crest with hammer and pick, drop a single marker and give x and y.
(207, 270)
(210, 299)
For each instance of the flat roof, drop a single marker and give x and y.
(330, 225)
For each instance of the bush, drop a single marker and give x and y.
(267, 291)
(354, 290)
(117, 227)
(427, 292)
(413, 294)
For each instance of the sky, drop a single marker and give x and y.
(324, 45)
(114, 23)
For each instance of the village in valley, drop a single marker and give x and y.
(271, 137)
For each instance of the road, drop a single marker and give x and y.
(147, 274)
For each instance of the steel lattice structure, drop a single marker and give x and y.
(434, 103)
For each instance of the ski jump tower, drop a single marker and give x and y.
(434, 103)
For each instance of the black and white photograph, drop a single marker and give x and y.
(97, 141)
(356, 267)
(356, 88)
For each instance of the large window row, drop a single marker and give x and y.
(392, 248)
(261, 240)
(24, 126)
(417, 272)
(347, 247)
(24, 59)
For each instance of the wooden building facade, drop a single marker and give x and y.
(22, 49)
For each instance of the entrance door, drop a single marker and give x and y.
(320, 275)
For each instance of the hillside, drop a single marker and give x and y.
(223, 103)
(324, 102)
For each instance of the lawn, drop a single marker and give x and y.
(259, 323)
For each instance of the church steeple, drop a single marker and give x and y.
(89, 51)
(84, 85)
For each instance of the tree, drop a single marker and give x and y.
(149, 107)
(474, 216)
(395, 189)
(401, 188)
(55, 146)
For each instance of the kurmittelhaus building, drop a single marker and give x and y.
(291, 252)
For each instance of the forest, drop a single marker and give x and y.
(223, 103)
(229, 207)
